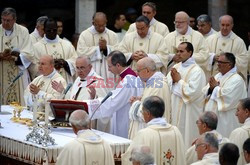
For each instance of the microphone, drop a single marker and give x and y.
(67, 88)
(103, 100)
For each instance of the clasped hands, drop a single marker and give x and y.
(102, 44)
(139, 54)
(9, 55)
(213, 83)
(175, 75)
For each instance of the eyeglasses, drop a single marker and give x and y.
(197, 145)
(223, 62)
(139, 70)
(179, 22)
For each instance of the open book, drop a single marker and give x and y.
(62, 109)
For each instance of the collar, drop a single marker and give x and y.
(92, 29)
(158, 121)
(153, 20)
(189, 62)
(8, 32)
(247, 121)
(156, 76)
(225, 37)
(123, 71)
(51, 41)
(232, 71)
(51, 74)
(210, 32)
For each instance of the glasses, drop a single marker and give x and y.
(201, 144)
(223, 62)
(179, 22)
(6, 20)
(139, 70)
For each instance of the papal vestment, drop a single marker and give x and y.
(58, 49)
(224, 100)
(155, 26)
(79, 91)
(156, 85)
(165, 142)
(87, 149)
(232, 43)
(117, 106)
(46, 91)
(35, 37)
(88, 45)
(209, 159)
(238, 137)
(200, 54)
(191, 154)
(17, 40)
(153, 45)
(187, 98)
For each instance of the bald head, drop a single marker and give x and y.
(99, 21)
(79, 119)
(48, 58)
(147, 62)
(46, 65)
(84, 59)
(181, 22)
(226, 24)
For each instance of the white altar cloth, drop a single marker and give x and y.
(13, 144)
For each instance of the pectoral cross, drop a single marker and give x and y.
(41, 85)
(183, 39)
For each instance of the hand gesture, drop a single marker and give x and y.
(57, 86)
(92, 92)
(34, 89)
(175, 75)
(213, 83)
(102, 44)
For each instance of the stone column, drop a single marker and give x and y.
(217, 8)
(84, 10)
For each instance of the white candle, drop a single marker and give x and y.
(47, 109)
(34, 109)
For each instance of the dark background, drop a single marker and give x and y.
(29, 10)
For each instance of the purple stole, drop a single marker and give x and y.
(127, 72)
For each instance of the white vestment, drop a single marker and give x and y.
(153, 45)
(58, 48)
(248, 92)
(238, 137)
(165, 142)
(224, 100)
(187, 98)
(46, 91)
(117, 106)
(155, 26)
(200, 54)
(17, 40)
(191, 154)
(88, 45)
(87, 149)
(212, 31)
(92, 79)
(231, 43)
(35, 37)
(209, 159)
(156, 85)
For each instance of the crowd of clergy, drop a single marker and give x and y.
(180, 96)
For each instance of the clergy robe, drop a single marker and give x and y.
(155, 26)
(35, 37)
(18, 40)
(88, 45)
(46, 91)
(58, 48)
(231, 43)
(238, 137)
(87, 149)
(92, 79)
(187, 98)
(153, 45)
(248, 93)
(191, 154)
(212, 31)
(200, 54)
(156, 85)
(165, 142)
(209, 159)
(117, 106)
(224, 100)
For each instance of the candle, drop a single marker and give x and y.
(47, 109)
(34, 109)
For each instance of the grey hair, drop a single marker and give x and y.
(144, 19)
(142, 154)
(154, 105)
(211, 139)
(41, 20)
(150, 4)
(9, 11)
(79, 119)
(84, 58)
(210, 119)
(232, 20)
(149, 63)
(204, 18)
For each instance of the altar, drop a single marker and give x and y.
(13, 142)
